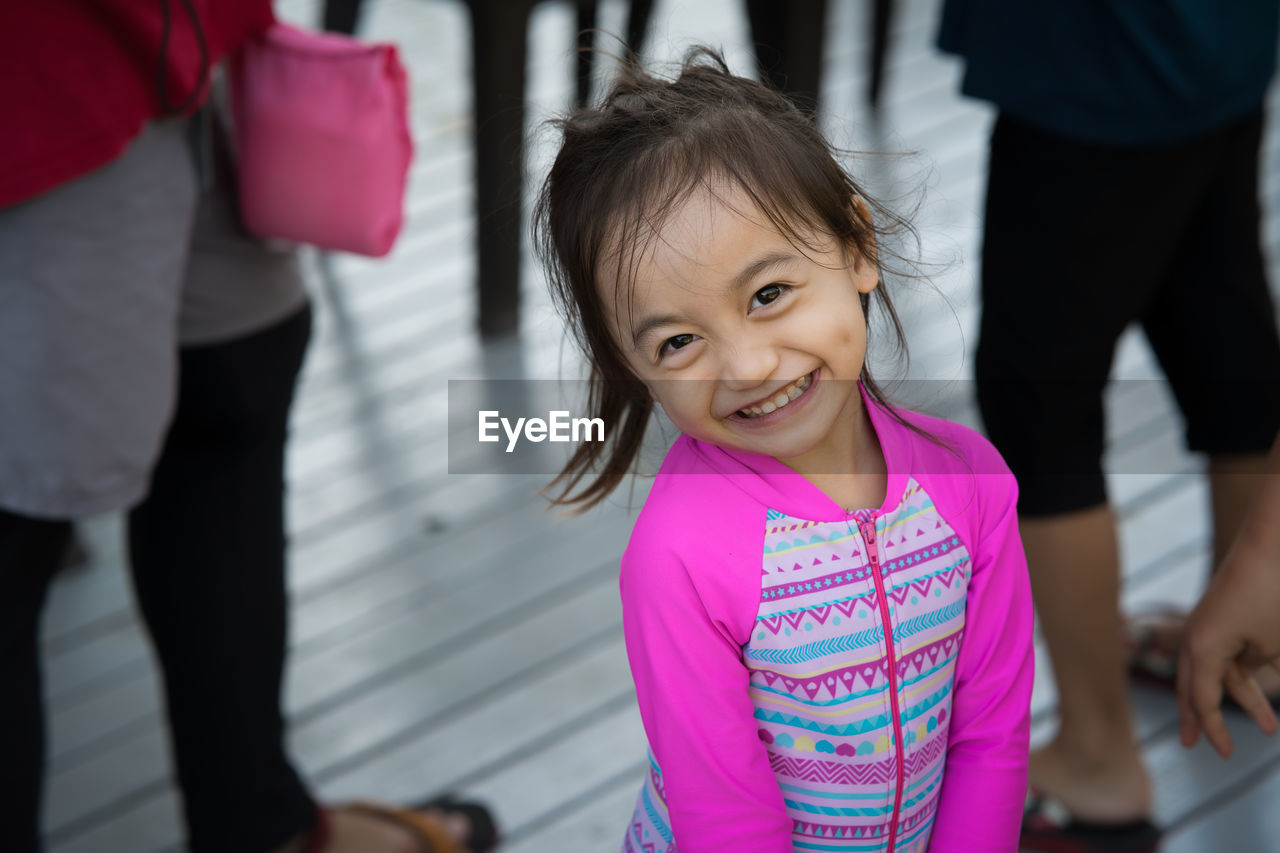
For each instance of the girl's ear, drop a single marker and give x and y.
(866, 273)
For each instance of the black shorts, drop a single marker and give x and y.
(1080, 241)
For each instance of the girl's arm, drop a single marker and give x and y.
(984, 784)
(691, 685)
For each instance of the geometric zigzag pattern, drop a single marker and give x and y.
(831, 772)
(820, 648)
(850, 729)
(843, 773)
(860, 680)
(927, 621)
(919, 586)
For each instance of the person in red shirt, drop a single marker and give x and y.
(148, 355)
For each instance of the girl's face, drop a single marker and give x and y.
(746, 341)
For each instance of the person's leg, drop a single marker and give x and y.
(207, 544)
(89, 286)
(30, 550)
(1213, 328)
(1094, 764)
(1065, 269)
(208, 554)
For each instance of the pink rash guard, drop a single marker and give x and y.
(817, 680)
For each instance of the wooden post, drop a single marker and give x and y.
(498, 33)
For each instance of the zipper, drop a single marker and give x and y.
(868, 530)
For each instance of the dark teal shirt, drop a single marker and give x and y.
(1128, 73)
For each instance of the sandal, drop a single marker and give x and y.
(1148, 659)
(430, 835)
(483, 836)
(1047, 827)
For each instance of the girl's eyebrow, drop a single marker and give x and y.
(642, 330)
(761, 265)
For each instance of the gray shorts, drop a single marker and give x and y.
(101, 280)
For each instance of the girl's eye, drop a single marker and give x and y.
(767, 295)
(675, 343)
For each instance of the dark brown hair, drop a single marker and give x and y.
(626, 165)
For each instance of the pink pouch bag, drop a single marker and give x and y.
(322, 139)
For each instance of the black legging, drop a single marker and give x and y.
(207, 550)
(29, 554)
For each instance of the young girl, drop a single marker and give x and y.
(825, 601)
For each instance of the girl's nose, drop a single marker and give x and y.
(745, 367)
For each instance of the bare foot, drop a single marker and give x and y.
(353, 832)
(1114, 789)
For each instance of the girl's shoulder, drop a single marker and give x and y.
(955, 464)
(949, 447)
(698, 538)
(695, 496)
(702, 501)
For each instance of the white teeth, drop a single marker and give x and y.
(785, 396)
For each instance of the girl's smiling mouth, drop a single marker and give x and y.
(778, 400)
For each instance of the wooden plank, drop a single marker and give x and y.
(594, 825)
(1187, 779)
(539, 716)
(517, 749)
(516, 740)
(144, 826)
(339, 637)
(391, 711)
(396, 706)
(1241, 817)
(570, 777)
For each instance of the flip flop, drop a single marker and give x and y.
(1147, 658)
(484, 829)
(427, 831)
(1047, 827)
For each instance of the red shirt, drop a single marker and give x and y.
(78, 78)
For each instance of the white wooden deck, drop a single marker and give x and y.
(449, 633)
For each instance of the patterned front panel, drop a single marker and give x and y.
(820, 678)
(820, 671)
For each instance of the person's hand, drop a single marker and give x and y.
(1234, 630)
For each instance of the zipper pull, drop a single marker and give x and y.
(868, 529)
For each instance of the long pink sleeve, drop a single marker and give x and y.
(692, 687)
(980, 807)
